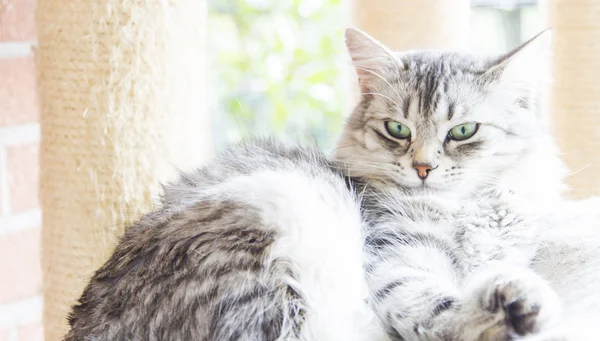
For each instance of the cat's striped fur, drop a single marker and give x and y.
(275, 242)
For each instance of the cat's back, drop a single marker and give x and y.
(223, 256)
(250, 158)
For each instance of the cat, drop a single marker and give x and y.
(274, 241)
(468, 235)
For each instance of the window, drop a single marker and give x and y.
(500, 25)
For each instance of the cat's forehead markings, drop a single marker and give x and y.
(406, 107)
(429, 86)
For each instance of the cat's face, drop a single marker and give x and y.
(438, 121)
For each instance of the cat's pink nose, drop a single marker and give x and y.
(422, 170)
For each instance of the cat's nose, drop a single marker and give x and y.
(422, 169)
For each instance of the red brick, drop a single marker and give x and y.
(22, 165)
(31, 332)
(18, 100)
(2, 184)
(17, 20)
(20, 255)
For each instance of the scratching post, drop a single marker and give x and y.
(122, 105)
(410, 24)
(575, 95)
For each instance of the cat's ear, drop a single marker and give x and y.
(370, 57)
(525, 68)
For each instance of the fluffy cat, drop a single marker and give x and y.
(468, 236)
(419, 235)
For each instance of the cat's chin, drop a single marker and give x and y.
(425, 188)
(437, 189)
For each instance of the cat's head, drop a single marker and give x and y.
(442, 121)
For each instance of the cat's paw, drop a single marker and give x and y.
(517, 303)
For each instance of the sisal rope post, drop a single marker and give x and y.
(410, 24)
(121, 90)
(575, 93)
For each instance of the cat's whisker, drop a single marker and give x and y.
(364, 162)
(339, 147)
(367, 169)
(346, 164)
(573, 172)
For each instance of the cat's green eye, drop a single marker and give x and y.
(464, 131)
(397, 130)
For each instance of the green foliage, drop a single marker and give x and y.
(276, 67)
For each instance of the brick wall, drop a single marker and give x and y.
(20, 272)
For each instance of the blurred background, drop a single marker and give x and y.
(273, 66)
(281, 65)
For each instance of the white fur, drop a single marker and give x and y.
(320, 233)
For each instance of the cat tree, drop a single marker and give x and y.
(406, 24)
(575, 95)
(121, 91)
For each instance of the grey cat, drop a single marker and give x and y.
(440, 218)
(468, 236)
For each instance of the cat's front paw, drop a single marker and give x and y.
(517, 302)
